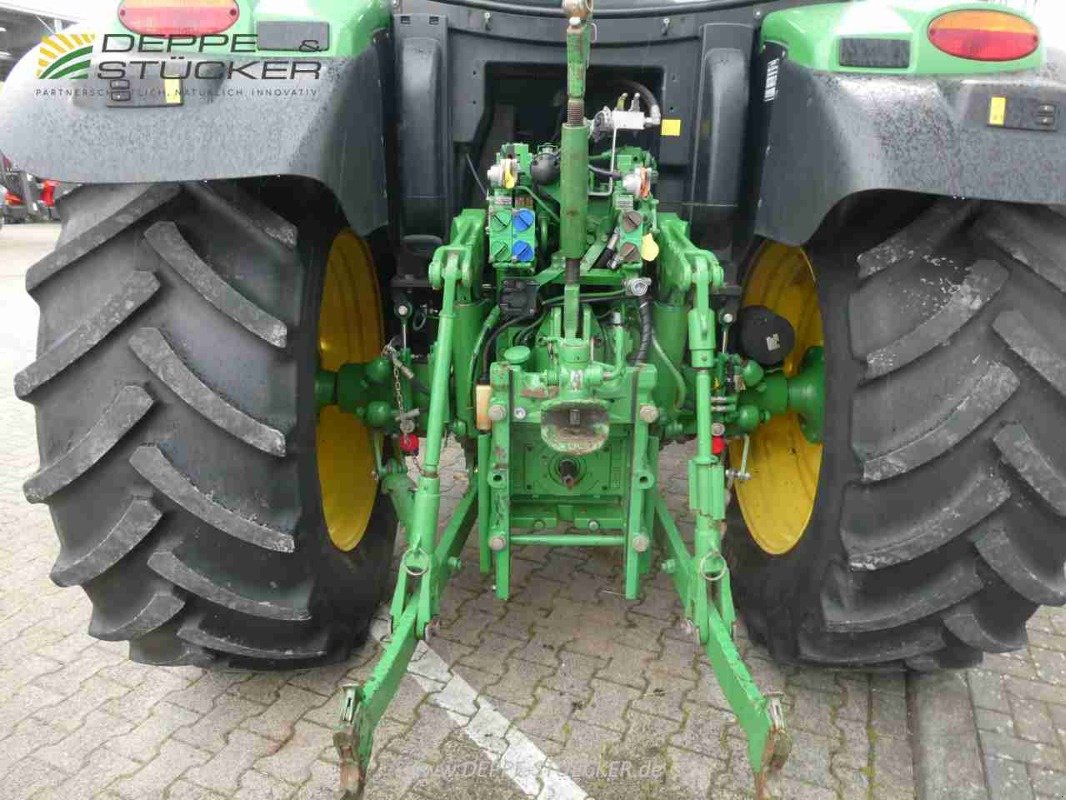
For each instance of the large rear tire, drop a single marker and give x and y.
(936, 528)
(176, 416)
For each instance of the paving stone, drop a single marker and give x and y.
(136, 704)
(1018, 666)
(257, 786)
(491, 653)
(574, 673)
(986, 689)
(707, 690)
(664, 696)
(182, 789)
(292, 762)
(259, 688)
(1032, 720)
(550, 715)
(608, 704)
(1005, 746)
(24, 703)
(1047, 782)
(814, 766)
(222, 773)
(69, 754)
(854, 782)
(812, 710)
(322, 680)
(518, 683)
(212, 730)
(1050, 665)
(102, 769)
(73, 678)
(278, 720)
(854, 751)
(393, 780)
(322, 785)
(29, 737)
(888, 714)
(202, 694)
(702, 730)
(994, 721)
(1048, 638)
(855, 703)
(71, 713)
(1007, 780)
(155, 777)
(425, 736)
(143, 742)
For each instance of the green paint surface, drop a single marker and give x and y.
(812, 35)
(352, 26)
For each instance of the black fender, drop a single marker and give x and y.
(827, 136)
(330, 128)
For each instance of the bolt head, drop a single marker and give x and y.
(594, 525)
(497, 413)
(641, 543)
(718, 429)
(728, 318)
(648, 413)
(520, 413)
(497, 543)
(637, 287)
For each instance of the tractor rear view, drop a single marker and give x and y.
(821, 243)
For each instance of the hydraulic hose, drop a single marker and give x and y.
(647, 331)
(606, 173)
(490, 344)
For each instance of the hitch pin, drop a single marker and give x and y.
(394, 357)
(741, 474)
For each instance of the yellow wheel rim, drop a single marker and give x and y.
(778, 500)
(350, 329)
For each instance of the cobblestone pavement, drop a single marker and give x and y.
(612, 693)
(1019, 702)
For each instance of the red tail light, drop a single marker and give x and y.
(984, 35)
(178, 17)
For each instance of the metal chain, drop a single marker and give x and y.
(407, 423)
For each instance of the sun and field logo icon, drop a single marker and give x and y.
(65, 55)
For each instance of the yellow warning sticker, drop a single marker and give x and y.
(172, 91)
(997, 111)
(671, 127)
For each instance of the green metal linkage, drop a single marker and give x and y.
(772, 394)
(574, 141)
(427, 563)
(568, 539)
(567, 424)
(760, 717)
(365, 704)
(364, 390)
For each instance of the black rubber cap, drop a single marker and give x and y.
(763, 336)
(545, 168)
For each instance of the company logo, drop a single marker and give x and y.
(65, 55)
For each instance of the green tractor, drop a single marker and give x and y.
(818, 241)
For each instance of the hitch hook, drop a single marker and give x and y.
(347, 739)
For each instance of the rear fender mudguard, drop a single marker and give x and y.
(826, 136)
(330, 128)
